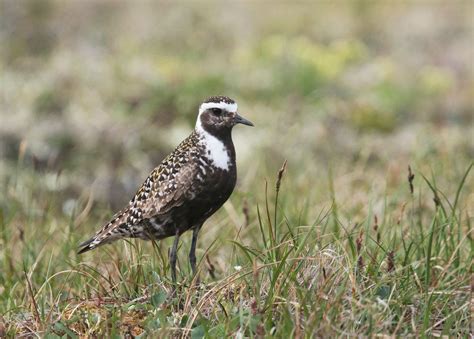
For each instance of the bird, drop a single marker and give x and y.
(188, 187)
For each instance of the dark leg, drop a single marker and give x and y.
(173, 256)
(192, 252)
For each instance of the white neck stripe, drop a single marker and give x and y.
(222, 105)
(215, 149)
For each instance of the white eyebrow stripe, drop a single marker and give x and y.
(222, 105)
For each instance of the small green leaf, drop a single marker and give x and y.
(184, 320)
(60, 328)
(383, 292)
(158, 298)
(198, 332)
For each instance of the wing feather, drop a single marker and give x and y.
(169, 185)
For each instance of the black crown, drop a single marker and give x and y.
(220, 98)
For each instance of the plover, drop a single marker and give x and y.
(190, 185)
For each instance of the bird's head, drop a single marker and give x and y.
(217, 116)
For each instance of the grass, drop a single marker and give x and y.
(368, 231)
(406, 273)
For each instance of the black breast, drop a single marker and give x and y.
(211, 188)
(216, 186)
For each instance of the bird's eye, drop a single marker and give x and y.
(217, 111)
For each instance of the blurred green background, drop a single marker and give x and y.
(96, 93)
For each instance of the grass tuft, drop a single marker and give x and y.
(390, 278)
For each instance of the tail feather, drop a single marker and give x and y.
(96, 241)
(107, 234)
(104, 237)
(86, 246)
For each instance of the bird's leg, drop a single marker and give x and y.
(192, 252)
(173, 256)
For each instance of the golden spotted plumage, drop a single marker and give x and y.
(167, 186)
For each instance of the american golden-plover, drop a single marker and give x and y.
(190, 185)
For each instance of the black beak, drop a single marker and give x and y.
(239, 120)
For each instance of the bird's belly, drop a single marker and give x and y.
(216, 189)
(200, 206)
